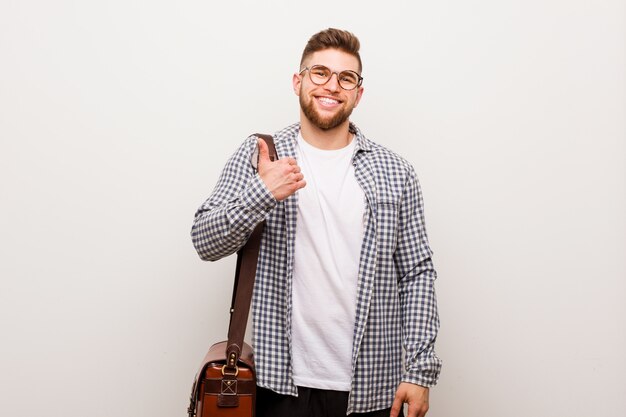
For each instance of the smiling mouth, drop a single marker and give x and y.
(327, 101)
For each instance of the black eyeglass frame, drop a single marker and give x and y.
(358, 84)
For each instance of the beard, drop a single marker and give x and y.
(324, 123)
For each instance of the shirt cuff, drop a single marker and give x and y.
(427, 376)
(256, 200)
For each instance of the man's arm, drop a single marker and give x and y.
(238, 203)
(241, 199)
(416, 286)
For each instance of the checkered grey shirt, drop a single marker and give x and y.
(395, 307)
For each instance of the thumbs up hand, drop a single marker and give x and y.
(282, 177)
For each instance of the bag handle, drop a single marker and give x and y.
(244, 283)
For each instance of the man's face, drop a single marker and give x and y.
(327, 106)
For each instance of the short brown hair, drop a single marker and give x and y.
(333, 39)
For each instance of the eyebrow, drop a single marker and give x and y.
(322, 65)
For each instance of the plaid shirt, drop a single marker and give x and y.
(396, 311)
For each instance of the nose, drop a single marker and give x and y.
(333, 82)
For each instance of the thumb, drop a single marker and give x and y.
(264, 152)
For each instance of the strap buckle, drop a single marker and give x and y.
(224, 373)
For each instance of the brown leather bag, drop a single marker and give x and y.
(225, 385)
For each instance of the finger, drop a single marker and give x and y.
(417, 409)
(291, 161)
(413, 411)
(396, 407)
(264, 152)
(294, 169)
(297, 177)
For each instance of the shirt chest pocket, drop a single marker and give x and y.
(386, 225)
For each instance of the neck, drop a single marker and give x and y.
(331, 139)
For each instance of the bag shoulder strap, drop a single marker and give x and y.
(244, 282)
(245, 273)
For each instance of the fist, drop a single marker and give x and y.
(282, 177)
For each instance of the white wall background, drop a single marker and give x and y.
(116, 117)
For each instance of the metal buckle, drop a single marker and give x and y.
(224, 373)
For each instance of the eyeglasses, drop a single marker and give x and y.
(348, 79)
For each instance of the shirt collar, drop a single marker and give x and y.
(362, 143)
(291, 134)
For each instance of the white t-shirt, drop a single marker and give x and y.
(329, 234)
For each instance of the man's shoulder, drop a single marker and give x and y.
(287, 133)
(384, 157)
(248, 150)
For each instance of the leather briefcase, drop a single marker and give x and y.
(220, 390)
(225, 385)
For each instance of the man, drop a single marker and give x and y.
(345, 279)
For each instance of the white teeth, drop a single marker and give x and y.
(328, 100)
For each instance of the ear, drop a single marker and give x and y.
(359, 94)
(296, 81)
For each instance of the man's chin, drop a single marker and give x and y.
(322, 121)
(327, 122)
